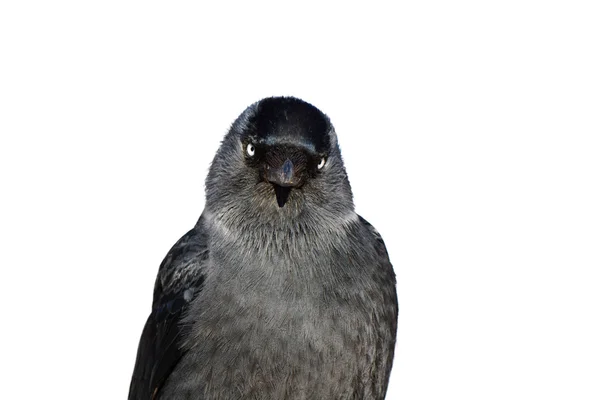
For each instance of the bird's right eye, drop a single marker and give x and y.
(250, 150)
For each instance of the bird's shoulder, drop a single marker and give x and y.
(182, 269)
(375, 237)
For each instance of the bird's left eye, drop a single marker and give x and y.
(250, 149)
(321, 163)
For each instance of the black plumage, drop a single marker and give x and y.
(180, 278)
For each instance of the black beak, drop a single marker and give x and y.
(283, 179)
(282, 193)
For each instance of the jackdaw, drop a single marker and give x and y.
(280, 291)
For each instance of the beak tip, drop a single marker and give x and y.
(281, 194)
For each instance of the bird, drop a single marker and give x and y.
(280, 290)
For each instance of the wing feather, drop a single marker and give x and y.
(387, 326)
(180, 278)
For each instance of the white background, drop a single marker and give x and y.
(470, 132)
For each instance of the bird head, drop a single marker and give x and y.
(280, 159)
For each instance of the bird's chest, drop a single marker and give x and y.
(282, 307)
(272, 328)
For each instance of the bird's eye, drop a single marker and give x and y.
(250, 149)
(321, 163)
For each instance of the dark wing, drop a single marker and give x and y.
(387, 325)
(180, 279)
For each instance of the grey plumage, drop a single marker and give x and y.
(280, 291)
